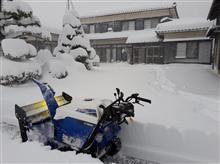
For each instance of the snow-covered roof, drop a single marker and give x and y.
(144, 36)
(127, 10)
(140, 36)
(183, 24)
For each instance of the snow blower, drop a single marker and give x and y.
(87, 126)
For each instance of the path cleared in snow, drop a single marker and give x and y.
(181, 125)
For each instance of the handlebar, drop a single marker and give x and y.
(143, 99)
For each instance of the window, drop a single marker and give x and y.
(147, 23)
(139, 24)
(125, 26)
(117, 26)
(154, 22)
(92, 28)
(192, 50)
(181, 50)
(86, 28)
(110, 26)
(139, 55)
(131, 25)
(101, 27)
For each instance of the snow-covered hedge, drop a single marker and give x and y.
(16, 6)
(57, 69)
(17, 49)
(43, 56)
(18, 72)
(95, 61)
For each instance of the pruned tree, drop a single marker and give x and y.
(72, 40)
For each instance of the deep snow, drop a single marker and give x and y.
(181, 124)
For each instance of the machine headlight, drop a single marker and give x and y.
(99, 137)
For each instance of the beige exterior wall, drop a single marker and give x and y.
(130, 16)
(186, 34)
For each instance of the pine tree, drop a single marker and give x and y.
(16, 20)
(72, 40)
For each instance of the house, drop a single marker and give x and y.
(118, 35)
(185, 41)
(148, 35)
(214, 32)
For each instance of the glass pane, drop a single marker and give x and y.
(118, 53)
(147, 24)
(108, 55)
(136, 58)
(181, 50)
(124, 55)
(125, 26)
(139, 24)
(192, 50)
(141, 54)
(117, 26)
(113, 54)
(150, 51)
(156, 51)
(131, 25)
(92, 29)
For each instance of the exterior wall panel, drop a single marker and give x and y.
(126, 16)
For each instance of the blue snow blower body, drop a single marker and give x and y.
(87, 126)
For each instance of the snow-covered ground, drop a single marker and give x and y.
(181, 125)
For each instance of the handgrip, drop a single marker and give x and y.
(143, 99)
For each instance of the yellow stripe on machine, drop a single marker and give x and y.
(39, 111)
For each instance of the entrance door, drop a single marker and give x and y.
(153, 55)
(139, 55)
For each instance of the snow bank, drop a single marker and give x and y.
(15, 48)
(180, 126)
(183, 24)
(16, 6)
(34, 152)
(18, 72)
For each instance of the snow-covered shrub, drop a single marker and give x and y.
(32, 51)
(17, 49)
(16, 6)
(95, 61)
(16, 72)
(78, 52)
(43, 56)
(57, 69)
